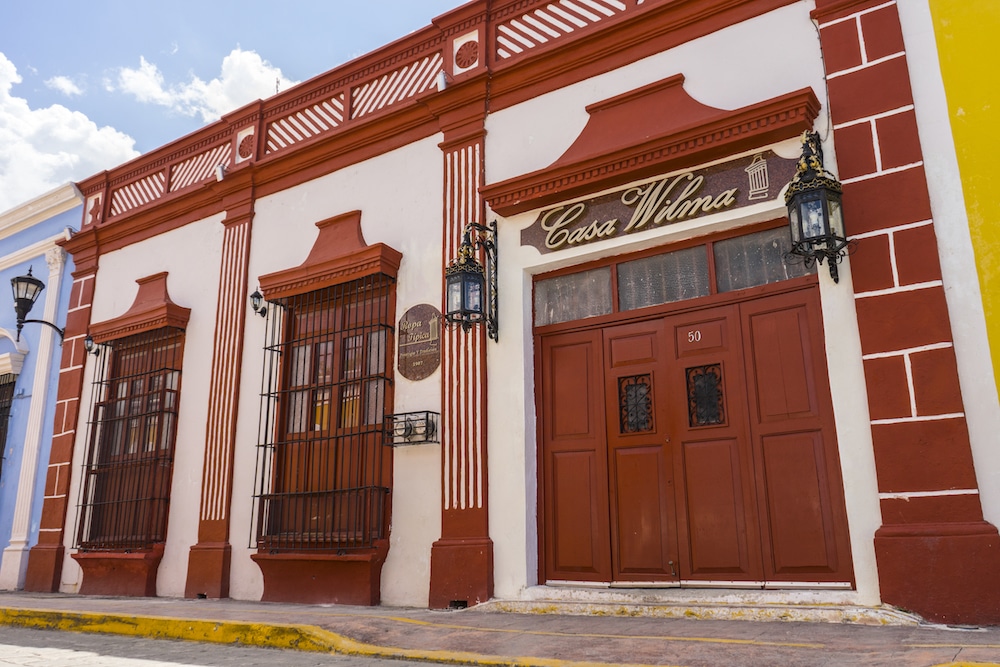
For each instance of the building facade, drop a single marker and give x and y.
(29, 368)
(274, 409)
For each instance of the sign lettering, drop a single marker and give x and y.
(663, 201)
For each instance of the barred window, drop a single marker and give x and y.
(322, 468)
(7, 381)
(129, 460)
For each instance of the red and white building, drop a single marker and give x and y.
(669, 404)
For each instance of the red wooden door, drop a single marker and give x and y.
(713, 461)
(574, 459)
(800, 494)
(640, 461)
(698, 447)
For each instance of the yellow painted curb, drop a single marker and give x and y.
(287, 636)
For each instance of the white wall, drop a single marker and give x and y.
(399, 195)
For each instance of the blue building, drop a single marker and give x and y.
(29, 367)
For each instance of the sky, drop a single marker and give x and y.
(86, 86)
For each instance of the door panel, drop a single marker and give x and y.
(715, 511)
(644, 543)
(717, 525)
(577, 524)
(574, 458)
(799, 489)
(643, 529)
(784, 383)
(801, 536)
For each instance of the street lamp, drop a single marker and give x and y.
(814, 212)
(26, 290)
(471, 289)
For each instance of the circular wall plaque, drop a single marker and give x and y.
(467, 55)
(418, 339)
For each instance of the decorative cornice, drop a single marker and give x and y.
(655, 26)
(152, 309)
(43, 207)
(616, 42)
(612, 151)
(339, 255)
(11, 362)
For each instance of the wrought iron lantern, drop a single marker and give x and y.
(257, 303)
(92, 347)
(471, 288)
(814, 212)
(26, 290)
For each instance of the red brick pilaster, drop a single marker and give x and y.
(210, 559)
(936, 555)
(46, 558)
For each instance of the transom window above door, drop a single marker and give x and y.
(711, 267)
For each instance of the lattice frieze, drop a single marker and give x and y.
(396, 86)
(553, 21)
(200, 167)
(306, 123)
(137, 193)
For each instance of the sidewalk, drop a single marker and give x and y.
(486, 636)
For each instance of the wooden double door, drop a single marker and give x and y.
(695, 447)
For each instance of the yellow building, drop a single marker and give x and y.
(963, 29)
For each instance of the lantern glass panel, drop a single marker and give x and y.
(454, 294)
(793, 223)
(474, 296)
(836, 217)
(26, 288)
(813, 218)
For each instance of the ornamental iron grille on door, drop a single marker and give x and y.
(704, 393)
(323, 469)
(635, 401)
(129, 462)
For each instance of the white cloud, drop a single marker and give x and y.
(64, 85)
(244, 77)
(41, 149)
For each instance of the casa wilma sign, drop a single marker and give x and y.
(662, 201)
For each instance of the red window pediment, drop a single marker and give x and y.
(152, 309)
(649, 131)
(339, 255)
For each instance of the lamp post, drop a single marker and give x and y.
(814, 211)
(26, 290)
(471, 288)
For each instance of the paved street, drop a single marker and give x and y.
(222, 631)
(54, 648)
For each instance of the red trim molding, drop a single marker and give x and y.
(339, 255)
(152, 309)
(126, 574)
(628, 138)
(323, 578)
